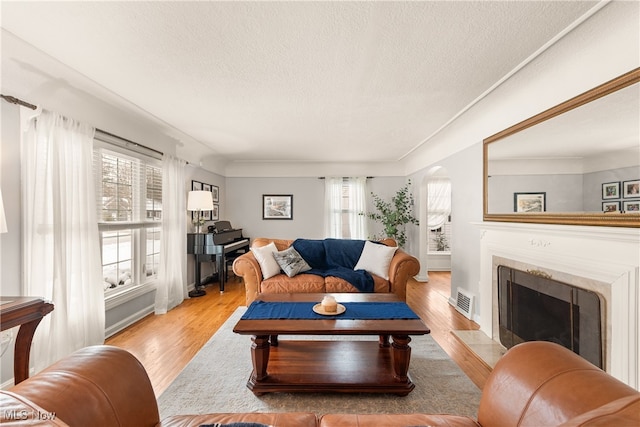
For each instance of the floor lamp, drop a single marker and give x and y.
(198, 201)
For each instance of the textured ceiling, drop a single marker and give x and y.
(295, 81)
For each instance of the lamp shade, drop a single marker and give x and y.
(200, 201)
(3, 220)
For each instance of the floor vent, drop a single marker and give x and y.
(464, 303)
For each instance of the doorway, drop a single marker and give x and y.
(435, 222)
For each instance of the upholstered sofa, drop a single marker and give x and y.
(402, 267)
(534, 384)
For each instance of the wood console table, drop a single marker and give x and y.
(26, 312)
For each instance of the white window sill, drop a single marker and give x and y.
(117, 297)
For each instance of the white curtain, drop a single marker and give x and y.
(438, 202)
(357, 205)
(171, 282)
(345, 200)
(333, 207)
(61, 247)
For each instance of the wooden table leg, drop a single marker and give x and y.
(260, 356)
(401, 355)
(274, 340)
(23, 350)
(383, 341)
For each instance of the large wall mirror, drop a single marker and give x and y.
(577, 163)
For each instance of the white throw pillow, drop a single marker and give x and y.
(268, 263)
(375, 259)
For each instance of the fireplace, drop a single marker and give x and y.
(602, 260)
(534, 307)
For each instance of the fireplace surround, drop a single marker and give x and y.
(603, 260)
(534, 307)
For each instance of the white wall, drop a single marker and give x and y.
(244, 204)
(10, 244)
(465, 171)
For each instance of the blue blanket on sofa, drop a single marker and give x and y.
(335, 257)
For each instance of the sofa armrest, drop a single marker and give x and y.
(94, 386)
(247, 267)
(403, 267)
(546, 384)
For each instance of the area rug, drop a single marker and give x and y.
(215, 381)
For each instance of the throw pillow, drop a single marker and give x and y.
(291, 261)
(375, 259)
(267, 262)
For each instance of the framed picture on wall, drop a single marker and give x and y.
(277, 206)
(206, 187)
(610, 206)
(631, 188)
(196, 186)
(631, 206)
(215, 193)
(529, 202)
(215, 213)
(611, 190)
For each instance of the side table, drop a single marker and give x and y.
(26, 312)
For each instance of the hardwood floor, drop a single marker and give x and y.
(165, 344)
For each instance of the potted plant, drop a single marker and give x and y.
(394, 215)
(441, 241)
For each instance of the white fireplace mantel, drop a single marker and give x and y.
(609, 257)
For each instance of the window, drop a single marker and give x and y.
(439, 214)
(129, 202)
(344, 202)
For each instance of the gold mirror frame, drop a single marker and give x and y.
(614, 219)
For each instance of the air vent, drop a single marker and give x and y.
(464, 303)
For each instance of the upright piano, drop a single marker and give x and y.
(223, 243)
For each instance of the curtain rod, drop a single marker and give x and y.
(128, 141)
(14, 100)
(343, 177)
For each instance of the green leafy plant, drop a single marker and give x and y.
(394, 215)
(440, 239)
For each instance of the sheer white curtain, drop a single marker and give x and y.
(438, 201)
(357, 205)
(171, 286)
(333, 207)
(344, 201)
(61, 247)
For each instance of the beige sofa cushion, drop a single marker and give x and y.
(301, 283)
(336, 284)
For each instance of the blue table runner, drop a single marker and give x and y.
(261, 310)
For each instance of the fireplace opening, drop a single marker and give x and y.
(533, 307)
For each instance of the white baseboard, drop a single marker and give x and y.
(128, 321)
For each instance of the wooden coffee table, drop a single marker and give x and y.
(374, 366)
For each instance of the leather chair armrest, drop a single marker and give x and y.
(94, 386)
(247, 267)
(546, 384)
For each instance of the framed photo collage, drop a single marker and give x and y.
(213, 215)
(621, 196)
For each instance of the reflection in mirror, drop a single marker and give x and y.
(575, 158)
